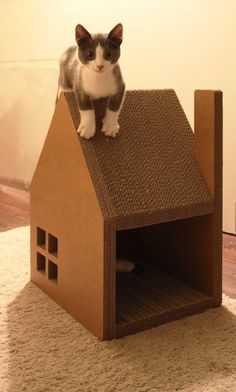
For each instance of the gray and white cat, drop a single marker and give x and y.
(91, 70)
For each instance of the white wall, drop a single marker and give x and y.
(181, 44)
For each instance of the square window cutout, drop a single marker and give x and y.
(52, 271)
(41, 237)
(41, 263)
(52, 244)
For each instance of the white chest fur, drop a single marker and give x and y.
(98, 85)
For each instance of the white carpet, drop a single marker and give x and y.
(43, 349)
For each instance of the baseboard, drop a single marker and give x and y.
(15, 183)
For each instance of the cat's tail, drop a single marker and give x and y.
(124, 265)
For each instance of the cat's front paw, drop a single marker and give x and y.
(87, 125)
(110, 124)
(110, 129)
(86, 130)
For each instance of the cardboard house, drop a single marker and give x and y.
(152, 194)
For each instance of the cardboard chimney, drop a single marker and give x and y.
(152, 194)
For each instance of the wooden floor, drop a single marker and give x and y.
(14, 212)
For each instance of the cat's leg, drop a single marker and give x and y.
(110, 121)
(87, 126)
(64, 79)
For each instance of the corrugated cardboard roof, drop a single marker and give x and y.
(148, 173)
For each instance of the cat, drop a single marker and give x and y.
(91, 70)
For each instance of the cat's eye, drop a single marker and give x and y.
(90, 55)
(108, 55)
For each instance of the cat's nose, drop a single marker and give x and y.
(100, 67)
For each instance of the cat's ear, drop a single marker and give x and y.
(82, 36)
(116, 35)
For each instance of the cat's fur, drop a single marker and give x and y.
(92, 71)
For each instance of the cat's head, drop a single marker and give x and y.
(99, 52)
